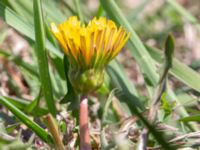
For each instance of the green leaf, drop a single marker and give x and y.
(138, 50)
(34, 104)
(186, 75)
(99, 12)
(56, 15)
(23, 8)
(3, 35)
(12, 127)
(104, 118)
(25, 119)
(71, 97)
(24, 27)
(107, 105)
(23, 104)
(191, 118)
(80, 15)
(166, 105)
(126, 91)
(42, 57)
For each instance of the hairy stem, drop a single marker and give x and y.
(83, 124)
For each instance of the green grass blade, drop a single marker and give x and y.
(104, 118)
(23, 118)
(34, 104)
(191, 118)
(106, 107)
(100, 11)
(23, 8)
(119, 70)
(126, 91)
(56, 15)
(69, 7)
(42, 57)
(186, 75)
(78, 7)
(135, 45)
(23, 104)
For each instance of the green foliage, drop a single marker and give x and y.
(25, 119)
(48, 81)
(191, 118)
(42, 57)
(71, 96)
(166, 106)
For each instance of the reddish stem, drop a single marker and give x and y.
(83, 124)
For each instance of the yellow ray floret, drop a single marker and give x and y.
(90, 46)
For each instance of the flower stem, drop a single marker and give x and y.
(83, 124)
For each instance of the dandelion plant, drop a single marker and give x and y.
(89, 49)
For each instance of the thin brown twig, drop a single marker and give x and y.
(189, 135)
(154, 107)
(152, 112)
(53, 129)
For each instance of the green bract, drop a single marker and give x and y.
(86, 81)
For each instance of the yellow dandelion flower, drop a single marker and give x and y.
(90, 47)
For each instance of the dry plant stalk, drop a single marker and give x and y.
(53, 129)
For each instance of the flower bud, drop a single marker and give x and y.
(86, 81)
